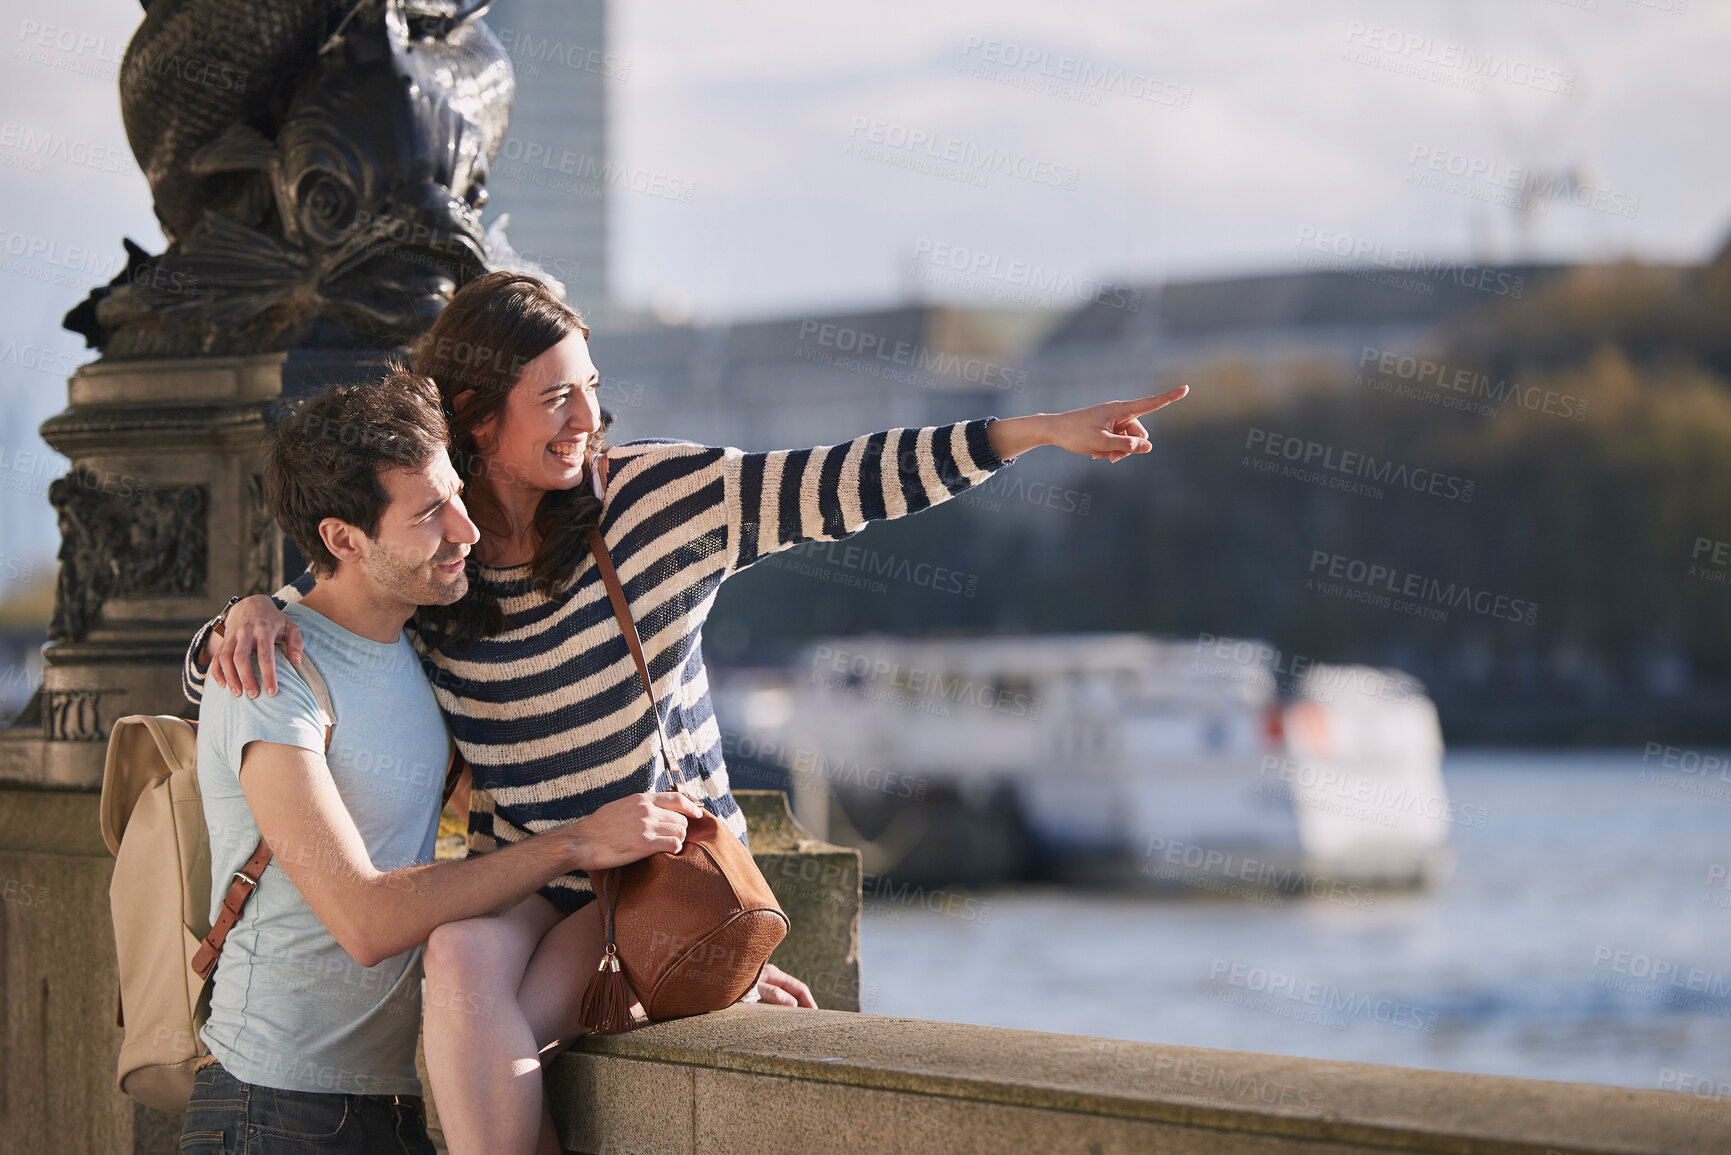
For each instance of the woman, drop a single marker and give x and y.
(534, 677)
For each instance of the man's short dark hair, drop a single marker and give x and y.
(324, 458)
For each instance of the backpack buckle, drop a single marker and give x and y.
(233, 902)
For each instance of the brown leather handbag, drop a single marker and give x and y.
(686, 933)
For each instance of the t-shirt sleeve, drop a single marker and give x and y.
(290, 717)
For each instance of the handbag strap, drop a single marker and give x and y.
(606, 881)
(622, 611)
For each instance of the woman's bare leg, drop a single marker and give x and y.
(558, 973)
(481, 1048)
(551, 994)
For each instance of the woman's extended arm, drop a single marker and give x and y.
(777, 500)
(781, 499)
(254, 625)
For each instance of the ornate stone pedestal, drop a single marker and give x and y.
(161, 519)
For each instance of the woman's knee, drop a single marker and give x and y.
(478, 948)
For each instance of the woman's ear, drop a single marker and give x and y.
(482, 433)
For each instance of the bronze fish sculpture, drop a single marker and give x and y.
(318, 167)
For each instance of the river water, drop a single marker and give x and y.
(1585, 935)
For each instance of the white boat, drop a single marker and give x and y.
(1178, 763)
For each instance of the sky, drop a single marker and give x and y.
(861, 154)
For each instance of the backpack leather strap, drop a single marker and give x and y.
(245, 880)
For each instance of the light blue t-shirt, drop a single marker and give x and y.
(289, 1008)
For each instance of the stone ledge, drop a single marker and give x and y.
(252, 377)
(1221, 1100)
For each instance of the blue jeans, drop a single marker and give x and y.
(229, 1117)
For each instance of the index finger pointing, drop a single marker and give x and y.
(1150, 404)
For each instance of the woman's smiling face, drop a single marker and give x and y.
(540, 439)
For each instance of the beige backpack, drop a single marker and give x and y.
(153, 821)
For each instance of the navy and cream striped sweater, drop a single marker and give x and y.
(551, 713)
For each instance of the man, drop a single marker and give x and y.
(317, 996)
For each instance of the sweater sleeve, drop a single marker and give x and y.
(829, 492)
(192, 674)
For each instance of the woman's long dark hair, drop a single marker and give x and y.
(494, 326)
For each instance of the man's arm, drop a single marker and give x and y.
(375, 914)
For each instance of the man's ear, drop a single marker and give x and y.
(342, 539)
(461, 401)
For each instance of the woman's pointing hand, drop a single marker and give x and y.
(1110, 430)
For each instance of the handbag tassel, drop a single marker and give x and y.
(610, 1005)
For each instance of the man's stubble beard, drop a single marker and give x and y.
(415, 581)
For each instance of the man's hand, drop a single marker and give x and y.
(251, 630)
(628, 829)
(778, 988)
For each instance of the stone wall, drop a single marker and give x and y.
(58, 986)
(757, 1078)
